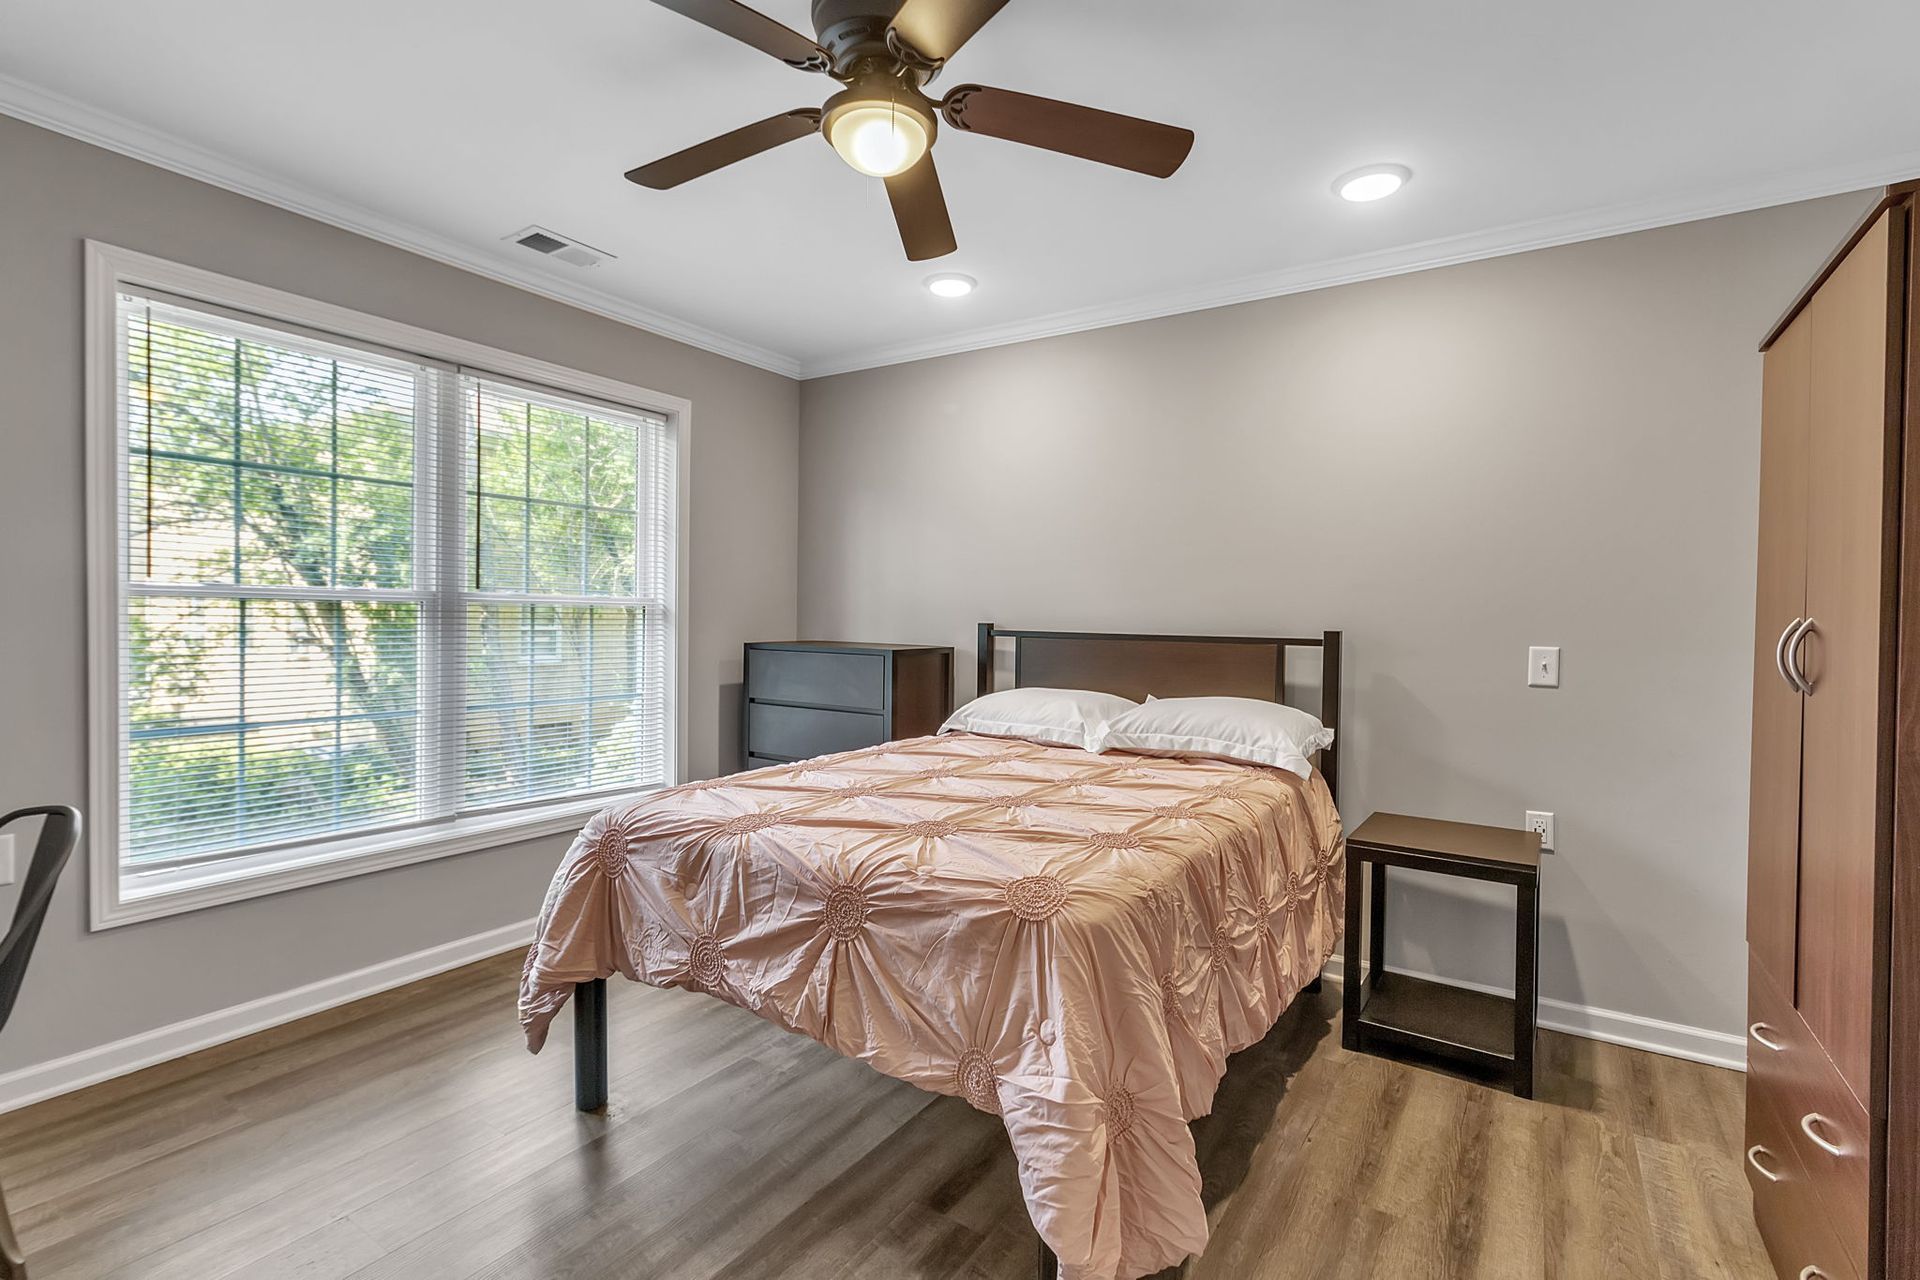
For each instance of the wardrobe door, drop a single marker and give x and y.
(1773, 827)
(1847, 469)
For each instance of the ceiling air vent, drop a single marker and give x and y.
(551, 245)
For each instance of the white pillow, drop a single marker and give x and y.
(1243, 729)
(1065, 717)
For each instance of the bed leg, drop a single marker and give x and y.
(1049, 1265)
(1313, 988)
(590, 1044)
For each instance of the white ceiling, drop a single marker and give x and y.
(447, 124)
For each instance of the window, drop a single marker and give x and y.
(563, 585)
(368, 605)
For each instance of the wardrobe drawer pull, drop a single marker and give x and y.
(1755, 1031)
(1809, 1122)
(1753, 1158)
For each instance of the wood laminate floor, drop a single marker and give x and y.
(410, 1136)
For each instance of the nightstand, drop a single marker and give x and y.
(1489, 1033)
(808, 698)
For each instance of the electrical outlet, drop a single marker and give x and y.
(1541, 821)
(1543, 666)
(6, 859)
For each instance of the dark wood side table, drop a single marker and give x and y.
(1490, 1033)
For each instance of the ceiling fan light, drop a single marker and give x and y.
(879, 139)
(1375, 182)
(878, 134)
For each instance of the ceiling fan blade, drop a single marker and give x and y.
(729, 148)
(750, 26)
(921, 212)
(937, 28)
(1101, 136)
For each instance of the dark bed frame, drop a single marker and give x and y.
(1130, 665)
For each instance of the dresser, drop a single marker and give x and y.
(1833, 914)
(808, 698)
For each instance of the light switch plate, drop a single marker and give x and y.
(1543, 666)
(6, 859)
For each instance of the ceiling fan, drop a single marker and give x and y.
(883, 124)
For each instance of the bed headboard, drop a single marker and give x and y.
(1134, 666)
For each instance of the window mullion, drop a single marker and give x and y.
(240, 796)
(565, 602)
(442, 727)
(263, 591)
(333, 577)
(527, 615)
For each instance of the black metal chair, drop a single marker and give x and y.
(59, 833)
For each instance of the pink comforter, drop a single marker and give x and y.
(1072, 942)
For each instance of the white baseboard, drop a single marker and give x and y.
(90, 1066)
(45, 1080)
(1674, 1039)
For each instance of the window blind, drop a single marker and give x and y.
(364, 591)
(570, 512)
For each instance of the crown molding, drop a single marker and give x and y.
(1520, 237)
(116, 133)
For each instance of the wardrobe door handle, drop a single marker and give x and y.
(1812, 1273)
(1753, 1158)
(1755, 1031)
(1808, 1122)
(1780, 656)
(1805, 629)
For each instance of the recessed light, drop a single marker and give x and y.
(950, 284)
(1375, 182)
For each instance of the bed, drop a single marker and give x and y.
(1073, 942)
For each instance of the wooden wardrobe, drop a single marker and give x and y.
(1833, 913)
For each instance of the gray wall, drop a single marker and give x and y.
(1559, 448)
(89, 989)
(1554, 448)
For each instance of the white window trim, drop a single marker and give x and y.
(111, 270)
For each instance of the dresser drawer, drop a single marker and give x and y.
(1819, 1118)
(1776, 1038)
(855, 681)
(1786, 1207)
(802, 732)
(1832, 1136)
